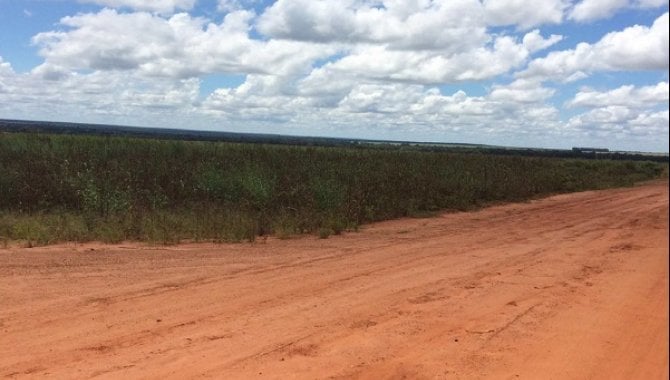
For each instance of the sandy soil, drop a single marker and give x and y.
(569, 287)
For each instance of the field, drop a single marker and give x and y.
(56, 188)
(573, 286)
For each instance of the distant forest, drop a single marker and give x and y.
(27, 126)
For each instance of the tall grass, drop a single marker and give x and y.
(61, 188)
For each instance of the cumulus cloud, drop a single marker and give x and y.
(349, 65)
(100, 97)
(650, 124)
(590, 10)
(433, 68)
(634, 48)
(521, 91)
(353, 104)
(181, 46)
(622, 122)
(5, 67)
(624, 96)
(159, 6)
(418, 49)
(522, 13)
(51, 72)
(500, 56)
(403, 24)
(626, 112)
(447, 25)
(380, 98)
(260, 97)
(452, 25)
(534, 41)
(5, 72)
(229, 5)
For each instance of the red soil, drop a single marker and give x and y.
(569, 287)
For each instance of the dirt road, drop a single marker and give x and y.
(569, 287)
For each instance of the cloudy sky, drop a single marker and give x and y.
(543, 73)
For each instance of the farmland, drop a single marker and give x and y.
(56, 188)
(533, 289)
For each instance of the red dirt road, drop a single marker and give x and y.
(569, 287)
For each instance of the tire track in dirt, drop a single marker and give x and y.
(547, 288)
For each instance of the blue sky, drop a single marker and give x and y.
(559, 73)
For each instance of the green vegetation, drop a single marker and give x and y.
(79, 188)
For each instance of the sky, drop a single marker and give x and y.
(541, 73)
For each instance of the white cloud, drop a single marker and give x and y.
(398, 42)
(524, 14)
(622, 122)
(534, 42)
(624, 112)
(379, 63)
(229, 5)
(651, 124)
(260, 97)
(381, 98)
(521, 91)
(590, 10)
(348, 65)
(101, 97)
(451, 26)
(108, 40)
(159, 6)
(421, 42)
(626, 96)
(650, 3)
(604, 117)
(181, 46)
(51, 72)
(5, 67)
(634, 48)
(386, 106)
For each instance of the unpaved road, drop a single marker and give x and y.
(569, 287)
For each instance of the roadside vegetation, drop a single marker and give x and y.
(57, 188)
